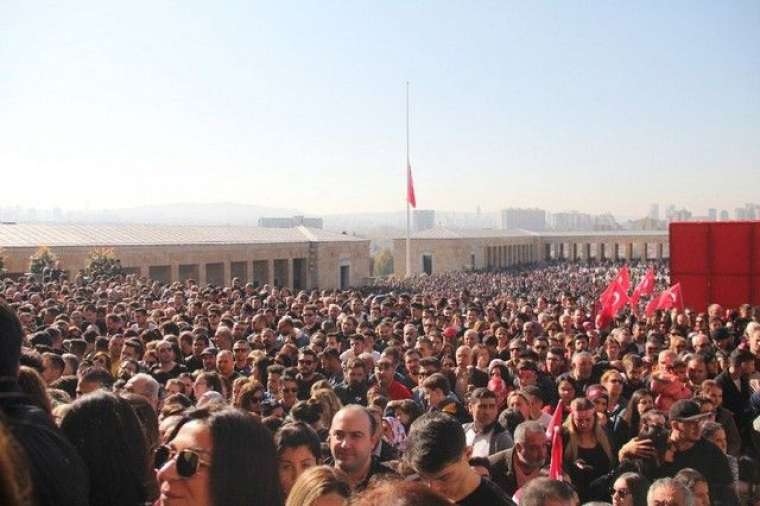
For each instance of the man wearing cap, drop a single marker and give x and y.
(208, 359)
(688, 448)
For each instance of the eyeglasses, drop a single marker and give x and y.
(290, 390)
(187, 460)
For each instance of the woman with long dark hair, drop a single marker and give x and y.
(627, 425)
(109, 437)
(222, 457)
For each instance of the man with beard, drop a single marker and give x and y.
(484, 435)
(353, 390)
(307, 372)
(689, 449)
(514, 468)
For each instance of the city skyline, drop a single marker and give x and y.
(603, 108)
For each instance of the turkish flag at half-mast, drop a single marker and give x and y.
(410, 186)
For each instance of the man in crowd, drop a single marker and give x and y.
(437, 451)
(353, 436)
(484, 435)
(514, 468)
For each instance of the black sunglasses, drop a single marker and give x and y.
(187, 460)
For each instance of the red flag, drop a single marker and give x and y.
(652, 305)
(614, 297)
(624, 278)
(410, 186)
(671, 298)
(603, 318)
(645, 287)
(556, 420)
(555, 429)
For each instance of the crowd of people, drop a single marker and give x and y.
(492, 388)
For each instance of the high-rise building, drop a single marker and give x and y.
(423, 219)
(712, 214)
(525, 219)
(572, 220)
(654, 211)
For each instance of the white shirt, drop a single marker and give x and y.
(479, 441)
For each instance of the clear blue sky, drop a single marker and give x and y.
(594, 106)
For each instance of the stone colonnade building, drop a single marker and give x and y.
(297, 258)
(445, 250)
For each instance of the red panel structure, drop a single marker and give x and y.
(716, 262)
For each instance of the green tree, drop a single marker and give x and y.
(42, 258)
(103, 262)
(383, 263)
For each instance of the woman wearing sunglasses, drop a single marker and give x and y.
(219, 457)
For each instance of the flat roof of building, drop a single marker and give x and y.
(56, 235)
(491, 233)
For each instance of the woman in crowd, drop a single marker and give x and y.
(329, 401)
(630, 489)
(108, 436)
(320, 486)
(298, 448)
(205, 382)
(588, 452)
(15, 484)
(252, 395)
(222, 457)
(627, 425)
(33, 386)
(612, 381)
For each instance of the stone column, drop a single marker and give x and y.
(629, 251)
(270, 271)
(227, 273)
(174, 271)
(659, 251)
(202, 278)
(144, 271)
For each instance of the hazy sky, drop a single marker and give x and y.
(594, 106)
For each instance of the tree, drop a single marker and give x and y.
(383, 263)
(42, 258)
(103, 262)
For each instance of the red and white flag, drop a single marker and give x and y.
(615, 297)
(410, 186)
(652, 305)
(645, 287)
(668, 299)
(671, 298)
(554, 433)
(624, 278)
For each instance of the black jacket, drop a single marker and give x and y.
(58, 474)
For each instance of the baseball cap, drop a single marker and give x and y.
(686, 410)
(209, 351)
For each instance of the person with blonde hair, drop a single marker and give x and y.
(588, 451)
(330, 403)
(320, 486)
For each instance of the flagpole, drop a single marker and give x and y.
(408, 242)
